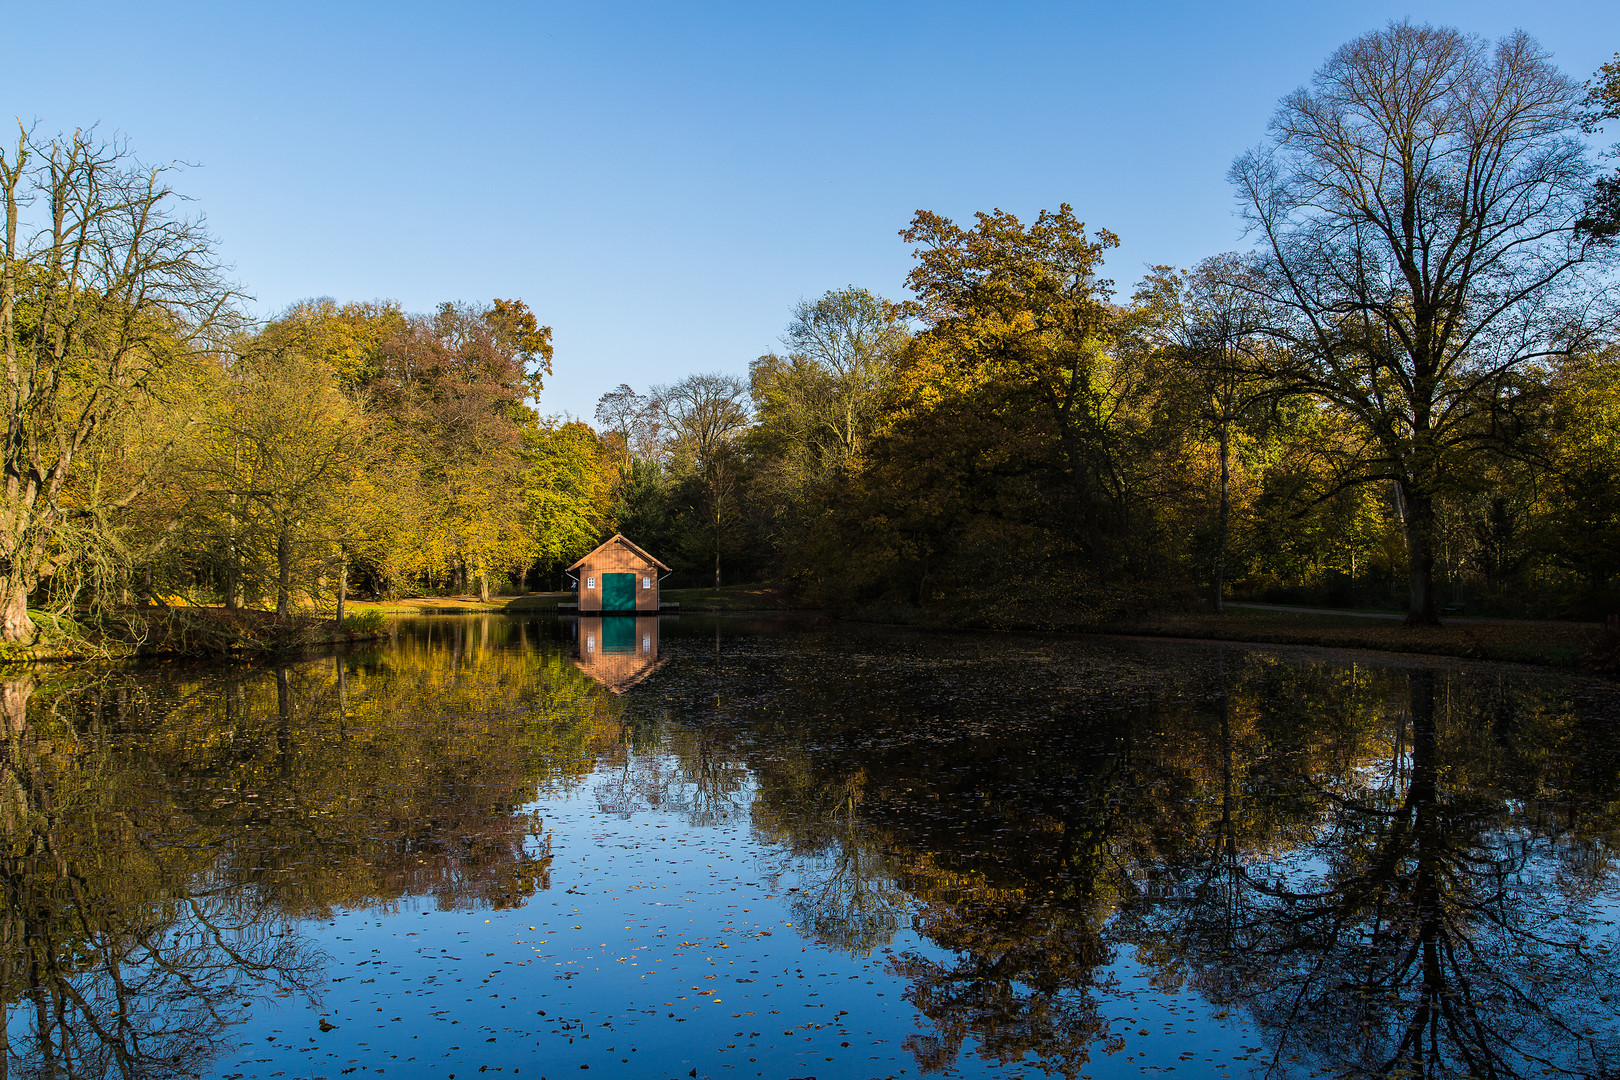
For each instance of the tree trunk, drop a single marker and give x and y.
(483, 587)
(283, 574)
(15, 625)
(342, 584)
(1424, 788)
(1420, 555)
(233, 557)
(233, 576)
(1221, 518)
(14, 695)
(283, 722)
(342, 671)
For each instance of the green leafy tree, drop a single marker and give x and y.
(817, 408)
(566, 491)
(1602, 217)
(824, 397)
(1579, 508)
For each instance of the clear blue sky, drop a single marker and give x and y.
(661, 182)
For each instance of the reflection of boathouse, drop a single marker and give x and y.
(617, 576)
(618, 652)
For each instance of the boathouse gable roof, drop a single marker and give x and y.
(618, 538)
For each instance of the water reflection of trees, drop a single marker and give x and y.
(982, 832)
(692, 772)
(165, 831)
(1385, 870)
(843, 890)
(121, 946)
(1388, 871)
(1434, 925)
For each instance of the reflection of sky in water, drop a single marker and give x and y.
(942, 851)
(660, 942)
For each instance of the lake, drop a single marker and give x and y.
(793, 847)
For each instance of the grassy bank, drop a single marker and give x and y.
(57, 637)
(128, 633)
(726, 598)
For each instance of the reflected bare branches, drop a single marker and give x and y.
(692, 773)
(127, 957)
(1427, 928)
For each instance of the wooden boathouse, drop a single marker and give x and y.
(618, 652)
(618, 577)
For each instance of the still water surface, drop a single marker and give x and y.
(791, 848)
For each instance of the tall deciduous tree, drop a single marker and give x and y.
(102, 285)
(1580, 509)
(1419, 205)
(566, 488)
(633, 420)
(705, 415)
(276, 478)
(817, 408)
(842, 349)
(1025, 306)
(1210, 325)
(457, 384)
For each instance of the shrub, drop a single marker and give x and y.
(364, 622)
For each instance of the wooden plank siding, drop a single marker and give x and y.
(617, 556)
(618, 652)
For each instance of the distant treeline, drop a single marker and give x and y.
(1407, 393)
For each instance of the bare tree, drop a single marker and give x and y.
(102, 286)
(634, 418)
(1419, 205)
(706, 415)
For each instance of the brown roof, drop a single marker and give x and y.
(618, 538)
(618, 681)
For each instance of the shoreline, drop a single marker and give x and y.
(1575, 646)
(1570, 646)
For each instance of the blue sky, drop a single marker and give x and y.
(662, 182)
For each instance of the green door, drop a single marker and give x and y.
(618, 592)
(618, 635)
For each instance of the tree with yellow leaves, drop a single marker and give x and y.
(279, 476)
(103, 286)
